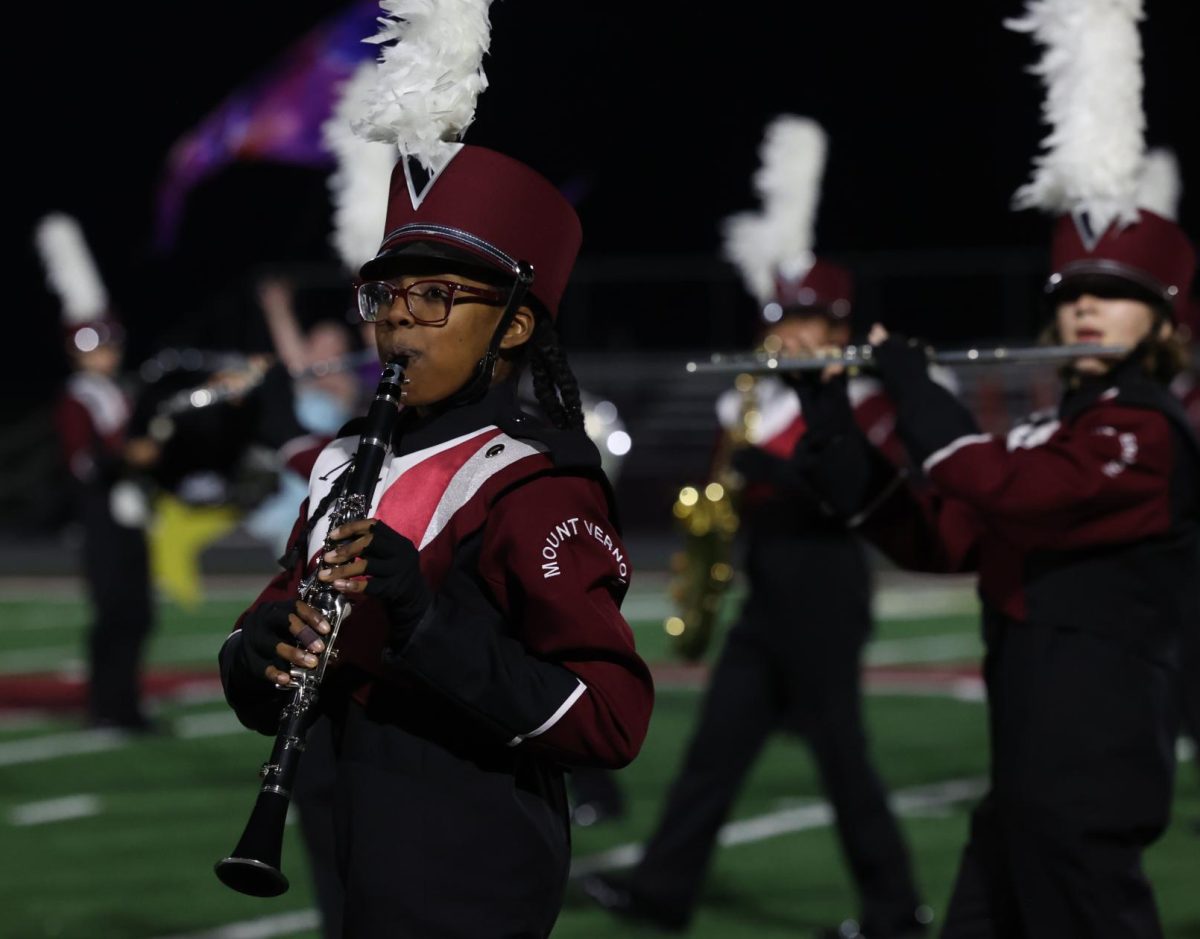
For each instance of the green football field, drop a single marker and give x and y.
(104, 836)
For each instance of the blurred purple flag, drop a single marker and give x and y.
(277, 116)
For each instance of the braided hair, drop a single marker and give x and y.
(554, 384)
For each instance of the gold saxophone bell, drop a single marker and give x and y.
(708, 517)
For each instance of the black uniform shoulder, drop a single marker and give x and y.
(567, 449)
(570, 451)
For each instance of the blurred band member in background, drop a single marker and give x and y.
(92, 419)
(792, 661)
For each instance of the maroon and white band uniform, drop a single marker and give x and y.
(91, 418)
(450, 750)
(792, 662)
(1081, 524)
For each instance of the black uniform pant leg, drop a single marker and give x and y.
(1081, 775)
(432, 845)
(313, 795)
(868, 831)
(741, 707)
(982, 904)
(117, 569)
(1075, 888)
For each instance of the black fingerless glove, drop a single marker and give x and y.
(759, 466)
(263, 628)
(903, 366)
(928, 417)
(825, 407)
(833, 456)
(393, 565)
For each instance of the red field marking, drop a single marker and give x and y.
(50, 692)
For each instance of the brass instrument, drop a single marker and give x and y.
(768, 362)
(708, 516)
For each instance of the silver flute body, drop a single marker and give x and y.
(863, 356)
(203, 396)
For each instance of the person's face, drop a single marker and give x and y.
(105, 359)
(798, 335)
(328, 342)
(442, 358)
(1105, 321)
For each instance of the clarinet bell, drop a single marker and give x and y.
(253, 878)
(253, 867)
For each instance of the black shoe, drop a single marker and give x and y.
(596, 812)
(615, 896)
(912, 926)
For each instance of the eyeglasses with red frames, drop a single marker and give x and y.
(428, 301)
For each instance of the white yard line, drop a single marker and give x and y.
(215, 724)
(266, 927)
(78, 743)
(971, 690)
(37, 749)
(943, 647)
(54, 810)
(918, 799)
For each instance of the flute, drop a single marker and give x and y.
(764, 363)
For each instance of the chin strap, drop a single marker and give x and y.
(478, 384)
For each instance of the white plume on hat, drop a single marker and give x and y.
(1160, 186)
(71, 271)
(780, 237)
(359, 186)
(429, 75)
(1091, 66)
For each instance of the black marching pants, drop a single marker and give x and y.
(434, 845)
(755, 690)
(313, 796)
(1082, 735)
(117, 570)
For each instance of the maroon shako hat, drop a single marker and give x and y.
(773, 247)
(1153, 254)
(88, 321)
(1112, 200)
(485, 208)
(826, 289)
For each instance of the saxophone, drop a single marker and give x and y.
(708, 516)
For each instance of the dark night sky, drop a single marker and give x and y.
(657, 109)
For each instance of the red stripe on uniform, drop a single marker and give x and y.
(410, 501)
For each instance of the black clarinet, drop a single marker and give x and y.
(253, 867)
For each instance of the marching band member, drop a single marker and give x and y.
(792, 662)
(92, 419)
(1081, 523)
(486, 650)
